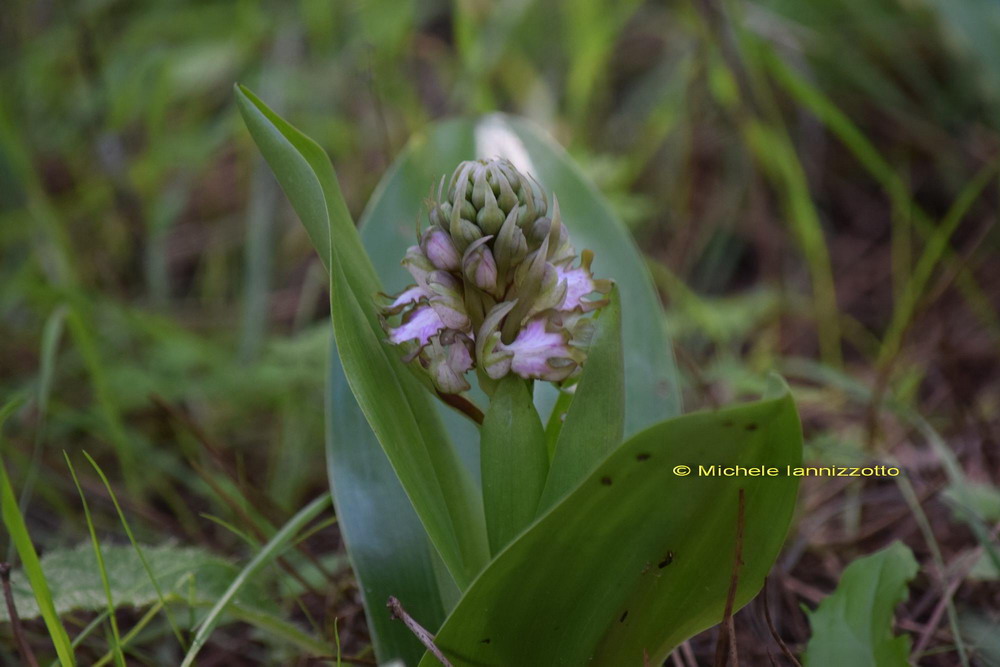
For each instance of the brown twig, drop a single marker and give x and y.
(774, 632)
(15, 621)
(726, 646)
(427, 639)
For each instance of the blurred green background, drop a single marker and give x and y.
(813, 184)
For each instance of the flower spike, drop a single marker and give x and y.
(498, 285)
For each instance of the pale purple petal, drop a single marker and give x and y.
(579, 283)
(411, 295)
(459, 357)
(420, 324)
(540, 354)
(479, 265)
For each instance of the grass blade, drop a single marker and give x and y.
(117, 646)
(51, 335)
(13, 520)
(271, 550)
(138, 550)
(937, 246)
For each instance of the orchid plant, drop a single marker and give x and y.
(506, 451)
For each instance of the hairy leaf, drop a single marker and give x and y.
(186, 574)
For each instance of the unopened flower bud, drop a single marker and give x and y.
(480, 267)
(492, 357)
(461, 230)
(510, 247)
(417, 264)
(440, 250)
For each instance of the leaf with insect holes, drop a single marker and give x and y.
(636, 559)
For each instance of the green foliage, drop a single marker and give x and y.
(390, 397)
(367, 493)
(41, 589)
(514, 461)
(403, 419)
(187, 575)
(594, 423)
(267, 554)
(109, 597)
(636, 557)
(853, 626)
(131, 198)
(652, 391)
(514, 453)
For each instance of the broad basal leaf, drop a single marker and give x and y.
(387, 544)
(438, 486)
(637, 558)
(450, 513)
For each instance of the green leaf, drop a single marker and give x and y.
(139, 552)
(307, 177)
(652, 389)
(514, 459)
(116, 646)
(186, 574)
(368, 495)
(363, 473)
(595, 419)
(637, 559)
(853, 625)
(40, 590)
(441, 491)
